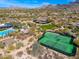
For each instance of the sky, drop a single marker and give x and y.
(31, 3)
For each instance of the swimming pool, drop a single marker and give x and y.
(6, 32)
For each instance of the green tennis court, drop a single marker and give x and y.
(58, 42)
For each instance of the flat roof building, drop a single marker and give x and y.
(6, 25)
(41, 20)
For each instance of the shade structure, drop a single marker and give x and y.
(58, 42)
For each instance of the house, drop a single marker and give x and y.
(25, 30)
(6, 25)
(41, 20)
(76, 24)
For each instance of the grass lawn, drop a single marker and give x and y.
(48, 26)
(2, 29)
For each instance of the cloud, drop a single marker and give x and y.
(45, 3)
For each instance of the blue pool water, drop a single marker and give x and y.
(6, 32)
